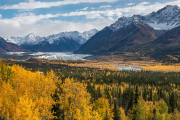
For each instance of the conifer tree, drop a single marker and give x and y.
(172, 102)
(116, 111)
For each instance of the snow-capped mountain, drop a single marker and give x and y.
(164, 19)
(63, 42)
(68, 35)
(33, 39)
(123, 22)
(28, 39)
(88, 34)
(81, 38)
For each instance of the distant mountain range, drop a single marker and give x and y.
(64, 42)
(155, 35)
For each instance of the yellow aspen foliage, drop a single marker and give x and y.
(102, 107)
(161, 111)
(8, 100)
(122, 114)
(75, 101)
(31, 88)
(26, 109)
(149, 104)
(108, 73)
(140, 110)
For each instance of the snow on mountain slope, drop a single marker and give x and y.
(123, 22)
(164, 19)
(33, 39)
(81, 38)
(69, 35)
(88, 34)
(28, 39)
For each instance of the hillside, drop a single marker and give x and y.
(164, 47)
(10, 47)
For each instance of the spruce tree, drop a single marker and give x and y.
(116, 111)
(136, 95)
(172, 102)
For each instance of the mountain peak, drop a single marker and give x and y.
(123, 22)
(31, 35)
(88, 34)
(172, 7)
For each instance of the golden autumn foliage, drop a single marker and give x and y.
(102, 107)
(75, 101)
(26, 95)
(164, 68)
(122, 114)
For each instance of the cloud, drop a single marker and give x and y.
(129, 4)
(144, 3)
(32, 4)
(47, 27)
(142, 8)
(94, 14)
(93, 8)
(28, 18)
(105, 6)
(85, 8)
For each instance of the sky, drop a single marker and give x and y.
(46, 17)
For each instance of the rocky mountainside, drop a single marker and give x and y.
(9, 47)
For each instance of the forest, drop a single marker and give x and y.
(51, 91)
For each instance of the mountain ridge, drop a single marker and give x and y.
(61, 42)
(33, 39)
